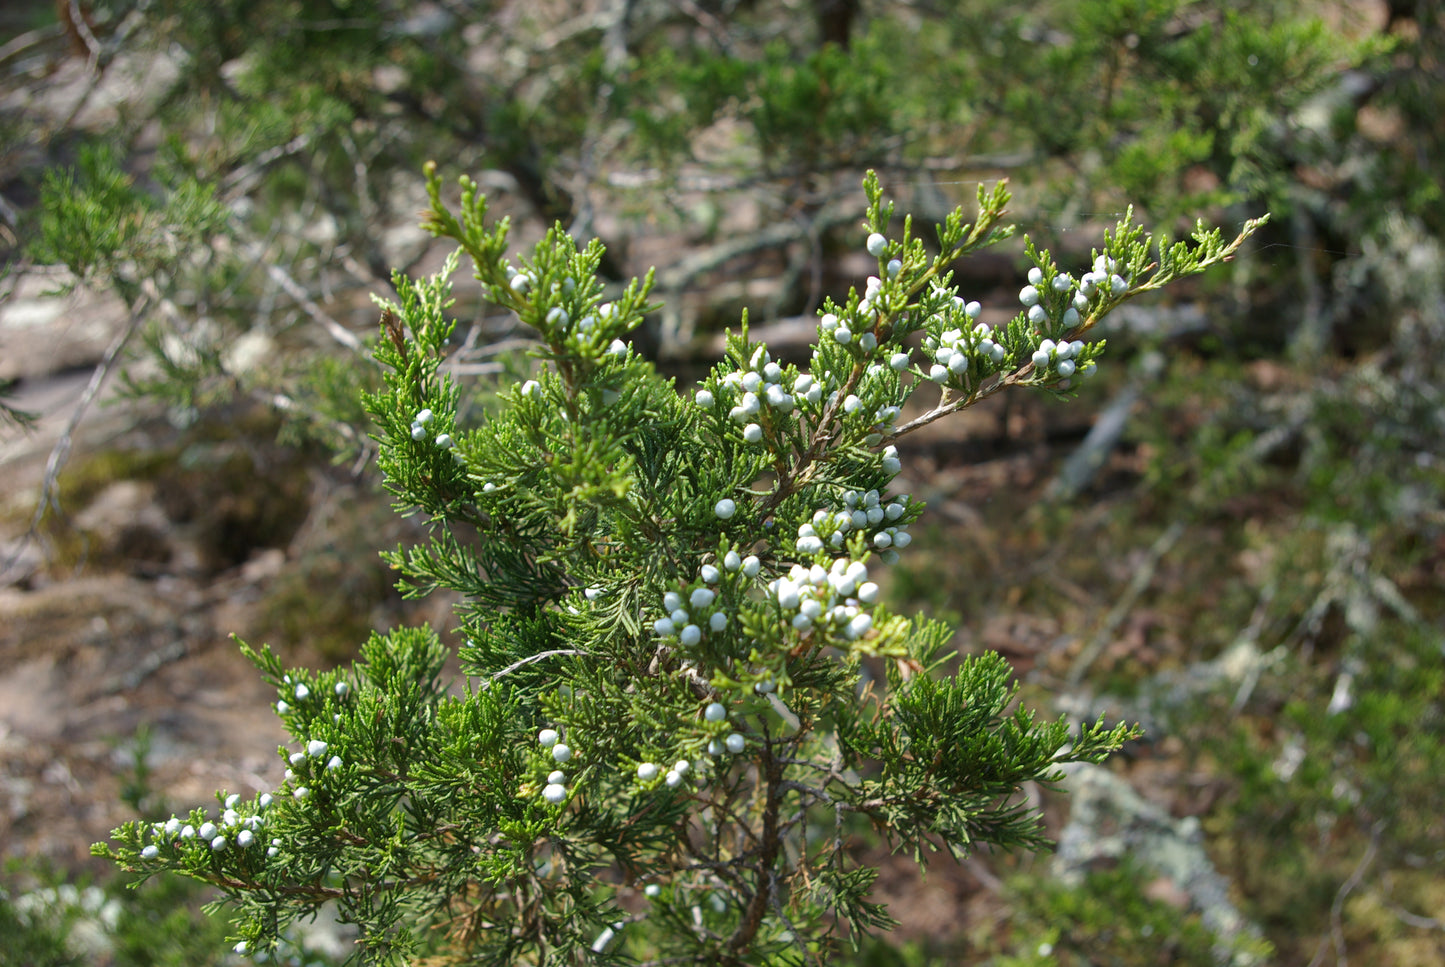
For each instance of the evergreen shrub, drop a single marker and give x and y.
(684, 688)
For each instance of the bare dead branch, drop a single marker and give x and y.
(49, 499)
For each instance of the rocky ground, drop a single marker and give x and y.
(116, 613)
(95, 656)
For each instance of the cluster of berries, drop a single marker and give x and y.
(240, 828)
(522, 283)
(840, 331)
(958, 345)
(757, 387)
(300, 691)
(420, 432)
(1105, 276)
(1032, 297)
(299, 764)
(827, 597)
(648, 771)
(1061, 357)
(954, 350)
(232, 826)
(606, 313)
(555, 791)
(718, 712)
(684, 617)
(861, 512)
(764, 387)
(883, 417)
(836, 598)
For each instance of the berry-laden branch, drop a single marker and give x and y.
(666, 603)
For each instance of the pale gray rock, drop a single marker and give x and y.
(43, 333)
(1109, 822)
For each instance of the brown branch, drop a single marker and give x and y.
(77, 25)
(30, 38)
(771, 771)
(676, 278)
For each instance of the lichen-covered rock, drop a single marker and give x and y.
(1109, 821)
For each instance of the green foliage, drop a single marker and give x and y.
(47, 923)
(1156, 100)
(1109, 918)
(1340, 795)
(313, 606)
(37, 940)
(1323, 491)
(96, 222)
(953, 757)
(805, 110)
(161, 924)
(289, 123)
(593, 528)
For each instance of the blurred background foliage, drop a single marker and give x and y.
(1252, 564)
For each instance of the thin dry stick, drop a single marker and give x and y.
(1337, 931)
(1250, 635)
(92, 82)
(364, 445)
(27, 40)
(333, 328)
(97, 52)
(528, 660)
(676, 278)
(1414, 919)
(49, 487)
(82, 30)
(1265, 444)
(240, 181)
(1138, 584)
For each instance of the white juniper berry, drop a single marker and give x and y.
(649, 577)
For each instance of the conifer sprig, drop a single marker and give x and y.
(668, 605)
